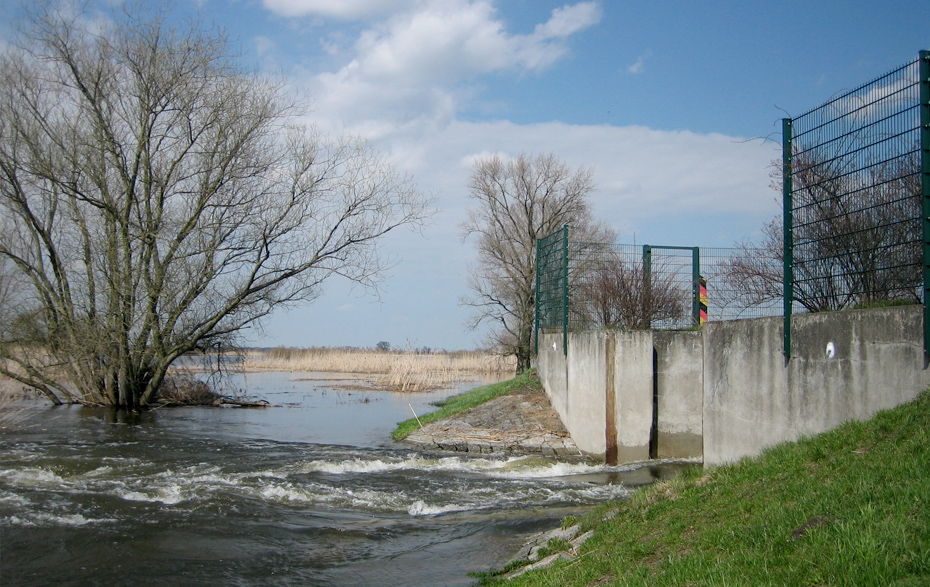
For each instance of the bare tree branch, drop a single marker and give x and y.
(518, 202)
(158, 198)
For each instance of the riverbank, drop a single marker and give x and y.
(848, 507)
(513, 416)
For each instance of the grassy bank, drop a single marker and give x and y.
(465, 401)
(849, 507)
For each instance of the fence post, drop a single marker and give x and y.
(565, 290)
(696, 285)
(536, 303)
(647, 284)
(924, 66)
(788, 228)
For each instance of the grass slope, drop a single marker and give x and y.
(848, 507)
(465, 401)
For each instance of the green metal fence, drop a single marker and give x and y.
(552, 285)
(856, 174)
(593, 286)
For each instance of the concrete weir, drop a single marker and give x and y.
(728, 391)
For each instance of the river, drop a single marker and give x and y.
(313, 492)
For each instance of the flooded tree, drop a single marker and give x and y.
(518, 202)
(157, 198)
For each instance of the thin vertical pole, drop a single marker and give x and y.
(788, 221)
(565, 290)
(536, 303)
(647, 284)
(924, 64)
(696, 285)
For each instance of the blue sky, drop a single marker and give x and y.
(676, 105)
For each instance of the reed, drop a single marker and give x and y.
(401, 371)
(12, 412)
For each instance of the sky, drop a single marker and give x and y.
(676, 105)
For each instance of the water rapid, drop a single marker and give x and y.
(309, 493)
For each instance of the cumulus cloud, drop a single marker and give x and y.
(570, 19)
(653, 186)
(401, 83)
(421, 62)
(640, 172)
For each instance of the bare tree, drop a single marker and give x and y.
(519, 201)
(157, 198)
(617, 293)
(857, 239)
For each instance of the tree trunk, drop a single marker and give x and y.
(523, 360)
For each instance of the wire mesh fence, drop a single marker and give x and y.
(552, 282)
(622, 286)
(594, 286)
(856, 231)
(854, 196)
(856, 188)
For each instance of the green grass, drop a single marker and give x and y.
(466, 401)
(848, 507)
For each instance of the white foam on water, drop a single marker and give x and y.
(356, 466)
(315, 494)
(18, 521)
(168, 495)
(32, 477)
(76, 520)
(36, 519)
(13, 500)
(102, 471)
(421, 508)
(513, 467)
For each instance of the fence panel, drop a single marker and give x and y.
(622, 286)
(552, 285)
(854, 194)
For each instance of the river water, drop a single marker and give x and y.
(313, 492)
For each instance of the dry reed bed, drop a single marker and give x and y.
(403, 371)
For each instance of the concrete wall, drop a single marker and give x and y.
(633, 394)
(679, 379)
(746, 400)
(576, 386)
(727, 391)
(585, 413)
(608, 386)
(753, 399)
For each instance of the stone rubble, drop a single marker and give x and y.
(530, 551)
(522, 423)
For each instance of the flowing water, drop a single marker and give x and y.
(313, 492)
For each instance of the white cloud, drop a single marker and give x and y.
(570, 19)
(640, 64)
(421, 63)
(640, 172)
(339, 9)
(658, 187)
(263, 45)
